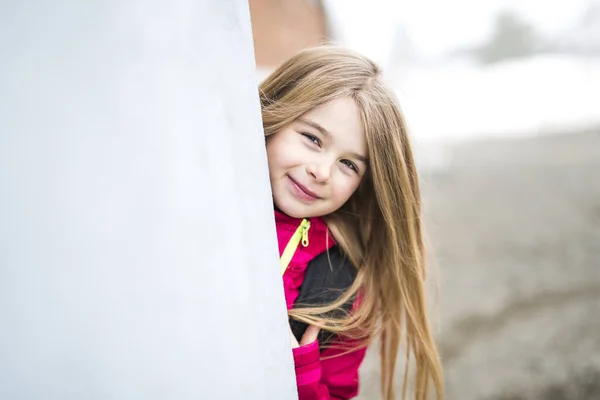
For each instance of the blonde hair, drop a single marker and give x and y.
(379, 228)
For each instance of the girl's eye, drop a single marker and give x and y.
(312, 138)
(350, 165)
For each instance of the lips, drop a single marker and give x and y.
(303, 192)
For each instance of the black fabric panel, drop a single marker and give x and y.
(324, 283)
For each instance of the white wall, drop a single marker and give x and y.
(137, 247)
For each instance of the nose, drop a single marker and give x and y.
(320, 172)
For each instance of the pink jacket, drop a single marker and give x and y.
(317, 378)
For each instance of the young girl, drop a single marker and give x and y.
(348, 217)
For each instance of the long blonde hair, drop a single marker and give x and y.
(379, 228)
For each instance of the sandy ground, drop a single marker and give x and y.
(515, 229)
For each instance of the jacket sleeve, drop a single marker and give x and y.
(334, 377)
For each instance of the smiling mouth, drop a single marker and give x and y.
(302, 192)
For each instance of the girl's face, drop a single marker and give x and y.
(317, 162)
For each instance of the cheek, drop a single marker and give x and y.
(279, 144)
(345, 188)
(285, 152)
(274, 153)
(271, 146)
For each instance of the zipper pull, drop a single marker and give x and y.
(305, 228)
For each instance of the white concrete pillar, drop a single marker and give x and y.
(137, 247)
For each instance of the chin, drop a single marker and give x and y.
(296, 210)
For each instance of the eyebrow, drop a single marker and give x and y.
(313, 124)
(326, 133)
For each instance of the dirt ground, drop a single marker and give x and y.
(514, 227)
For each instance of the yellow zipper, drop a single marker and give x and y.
(305, 225)
(301, 235)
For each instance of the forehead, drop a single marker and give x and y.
(341, 118)
(338, 111)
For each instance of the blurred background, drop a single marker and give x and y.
(503, 101)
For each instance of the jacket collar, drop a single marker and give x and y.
(316, 223)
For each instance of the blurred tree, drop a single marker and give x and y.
(512, 37)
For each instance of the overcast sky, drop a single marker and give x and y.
(437, 26)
